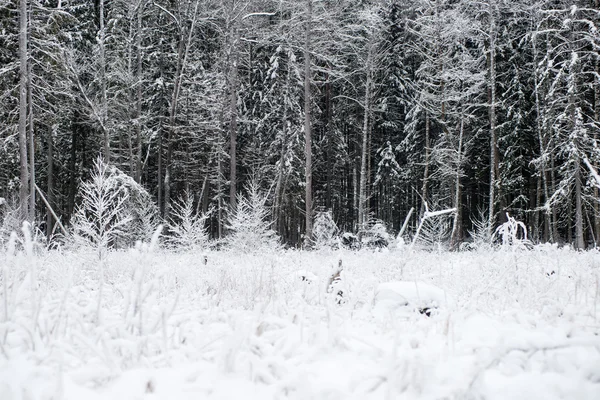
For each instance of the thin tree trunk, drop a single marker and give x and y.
(24, 173)
(492, 115)
(160, 188)
(104, 110)
(572, 92)
(456, 236)
(424, 188)
(182, 55)
(72, 171)
(554, 223)
(279, 187)
(131, 48)
(362, 199)
(138, 105)
(329, 153)
(596, 227)
(536, 206)
(541, 115)
(31, 147)
(307, 123)
(50, 183)
(171, 134)
(579, 233)
(233, 124)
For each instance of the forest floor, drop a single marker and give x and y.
(516, 324)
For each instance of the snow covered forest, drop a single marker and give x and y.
(359, 109)
(299, 199)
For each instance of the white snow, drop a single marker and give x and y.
(246, 326)
(409, 296)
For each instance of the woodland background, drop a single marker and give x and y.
(360, 109)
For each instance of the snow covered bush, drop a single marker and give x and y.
(9, 220)
(249, 226)
(187, 226)
(114, 211)
(376, 235)
(325, 230)
(512, 233)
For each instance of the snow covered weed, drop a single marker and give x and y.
(248, 325)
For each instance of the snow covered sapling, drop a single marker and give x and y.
(115, 211)
(324, 230)
(187, 226)
(481, 233)
(100, 218)
(249, 226)
(10, 220)
(438, 231)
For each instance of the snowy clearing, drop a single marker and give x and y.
(519, 325)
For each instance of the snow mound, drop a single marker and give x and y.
(306, 276)
(409, 296)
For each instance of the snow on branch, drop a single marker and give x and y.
(592, 171)
(258, 14)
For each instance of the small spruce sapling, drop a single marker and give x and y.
(115, 211)
(100, 219)
(249, 226)
(480, 234)
(325, 230)
(187, 226)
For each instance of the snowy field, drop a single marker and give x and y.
(512, 324)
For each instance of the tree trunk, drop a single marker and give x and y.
(31, 147)
(579, 239)
(424, 189)
(307, 124)
(134, 69)
(50, 182)
(182, 54)
(24, 173)
(138, 105)
(104, 105)
(596, 227)
(171, 133)
(233, 123)
(456, 236)
(362, 198)
(281, 173)
(72, 171)
(492, 115)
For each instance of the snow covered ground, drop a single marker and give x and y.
(511, 325)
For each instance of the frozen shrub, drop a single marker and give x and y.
(512, 233)
(376, 235)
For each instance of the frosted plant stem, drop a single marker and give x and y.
(100, 290)
(5, 290)
(28, 243)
